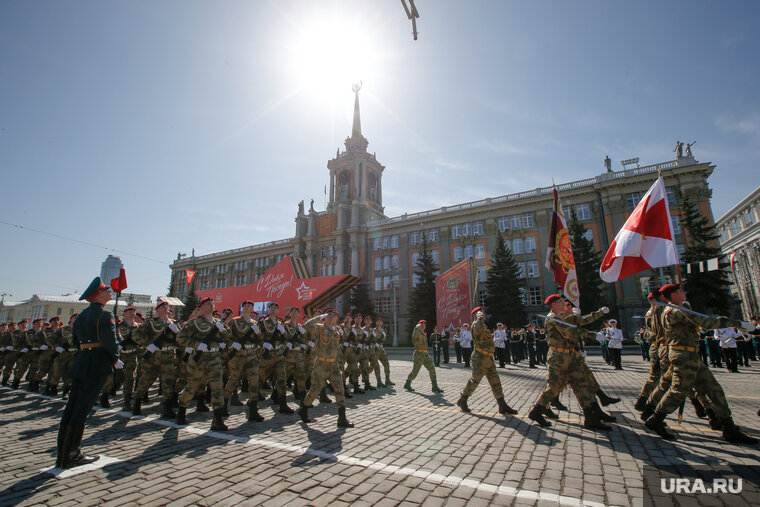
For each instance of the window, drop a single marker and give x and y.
(394, 261)
(386, 242)
(480, 251)
(378, 283)
(632, 200)
(514, 222)
(589, 235)
(415, 279)
(378, 263)
(436, 254)
(532, 269)
(527, 220)
(331, 251)
(481, 273)
(530, 244)
(534, 295)
(477, 228)
(503, 224)
(735, 228)
(482, 293)
(414, 238)
(671, 196)
(566, 212)
(523, 295)
(432, 235)
(517, 246)
(378, 243)
(322, 270)
(58, 311)
(466, 230)
(456, 231)
(387, 262)
(394, 241)
(520, 270)
(415, 258)
(458, 256)
(676, 225)
(220, 283)
(468, 251)
(681, 249)
(386, 282)
(583, 211)
(748, 220)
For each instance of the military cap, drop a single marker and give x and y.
(130, 309)
(331, 310)
(357, 314)
(551, 299)
(96, 287)
(422, 321)
(39, 319)
(205, 300)
(139, 314)
(160, 303)
(654, 294)
(667, 290)
(23, 321)
(55, 318)
(273, 303)
(246, 302)
(476, 310)
(379, 319)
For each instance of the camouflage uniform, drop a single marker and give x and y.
(655, 334)
(374, 364)
(362, 354)
(382, 355)
(421, 358)
(26, 359)
(63, 340)
(202, 367)
(272, 363)
(327, 343)
(482, 360)
(295, 364)
(159, 363)
(10, 356)
(128, 352)
(43, 339)
(244, 361)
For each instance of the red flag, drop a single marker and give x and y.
(189, 273)
(646, 240)
(559, 254)
(119, 283)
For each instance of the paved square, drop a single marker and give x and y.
(407, 448)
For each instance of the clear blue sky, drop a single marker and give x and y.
(156, 127)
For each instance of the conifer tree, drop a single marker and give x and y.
(503, 284)
(587, 263)
(191, 300)
(422, 297)
(361, 301)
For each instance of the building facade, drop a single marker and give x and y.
(353, 235)
(739, 231)
(46, 306)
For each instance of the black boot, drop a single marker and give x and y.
(34, 386)
(592, 419)
(200, 405)
(357, 389)
(462, 403)
(504, 408)
(346, 392)
(104, 401)
(548, 412)
(388, 381)
(5, 380)
(275, 397)
(235, 400)
(603, 416)
(137, 406)
(253, 411)
(734, 435)
(218, 423)
(323, 398)
(284, 408)
(641, 403)
(225, 408)
(66, 391)
(408, 386)
(699, 409)
(62, 429)
(436, 389)
(606, 400)
(647, 412)
(46, 389)
(380, 383)
(181, 415)
(714, 421)
(168, 413)
(657, 424)
(15, 383)
(558, 404)
(261, 397)
(75, 456)
(342, 421)
(303, 413)
(368, 386)
(53, 390)
(537, 414)
(127, 402)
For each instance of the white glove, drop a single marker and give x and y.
(174, 327)
(577, 311)
(280, 328)
(2, 349)
(583, 353)
(289, 345)
(151, 348)
(268, 346)
(25, 349)
(236, 346)
(304, 346)
(353, 330)
(220, 326)
(120, 348)
(119, 364)
(44, 347)
(359, 345)
(345, 344)
(366, 333)
(222, 345)
(605, 309)
(189, 350)
(255, 328)
(202, 347)
(340, 329)
(301, 329)
(312, 344)
(9, 347)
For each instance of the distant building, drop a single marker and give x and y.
(739, 231)
(110, 269)
(354, 236)
(47, 306)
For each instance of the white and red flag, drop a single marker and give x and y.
(646, 240)
(559, 254)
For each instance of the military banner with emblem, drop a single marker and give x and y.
(559, 254)
(456, 293)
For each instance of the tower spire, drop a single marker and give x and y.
(356, 130)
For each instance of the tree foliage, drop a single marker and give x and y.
(503, 283)
(361, 301)
(587, 263)
(422, 296)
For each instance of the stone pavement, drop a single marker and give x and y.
(407, 448)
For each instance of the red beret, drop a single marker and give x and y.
(160, 303)
(132, 308)
(653, 294)
(423, 321)
(476, 310)
(667, 290)
(551, 299)
(55, 318)
(246, 302)
(25, 321)
(205, 300)
(36, 320)
(273, 303)
(357, 314)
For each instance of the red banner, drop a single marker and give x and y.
(189, 273)
(456, 293)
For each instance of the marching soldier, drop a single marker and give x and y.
(11, 354)
(421, 358)
(689, 372)
(370, 340)
(47, 352)
(654, 331)
(95, 336)
(245, 345)
(273, 364)
(63, 341)
(564, 365)
(159, 337)
(24, 358)
(323, 328)
(294, 360)
(128, 351)
(361, 335)
(382, 355)
(483, 365)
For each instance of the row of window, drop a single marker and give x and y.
(528, 296)
(582, 211)
(632, 200)
(387, 262)
(384, 305)
(386, 242)
(466, 230)
(431, 235)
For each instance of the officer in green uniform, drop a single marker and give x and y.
(421, 357)
(483, 365)
(94, 333)
(680, 328)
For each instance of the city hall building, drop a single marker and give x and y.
(353, 236)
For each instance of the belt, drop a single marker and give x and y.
(72, 350)
(421, 350)
(166, 349)
(249, 346)
(34, 348)
(326, 359)
(564, 351)
(89, 345)
(684, 347)
(485, 353)
(127, 351)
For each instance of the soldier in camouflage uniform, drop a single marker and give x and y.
(35, 341)
(159, 337)
(244, 342)
(483, 365)
(362, 344)
(421, 357)
(63, 341)
(327, 344)
(204, 336)
(350, 354)
(295, 342)
(47, 353)
(371, 340)
(273, 364)
(10, 354)
(564, 365)
(382, 355)
(128, 352)
(26, 356)
(680, 328)
(310, 359)
(654, 333)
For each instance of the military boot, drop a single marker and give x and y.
(253, 411)
(408, 386)
(200, 405)
(357, 389)
(15, 383)
(734, 435)
(592, 418)
(66, 391)
(284, 408)
(504, 408)
(657, 424)
(641, 403)
(225, 408)
(218, 423)
(303, 413)
(342, 421)
(714, 420)
(380, 384)
(462, 403)
(558, 404)
(537, 414)
(699, 409)
(46, 389)
(436, 389)
(53, 390)
(235, 400)
(323, 398)
(606, 400)
(5, 380)
(75, 457)
(167, 413)
(34, 385)
(388, 381)
(104, 401)
(647, 412)
(548, 412)
(137, 406)
(181, 415)
(369, 387)
(127, 402)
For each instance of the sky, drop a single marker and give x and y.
(144, 129)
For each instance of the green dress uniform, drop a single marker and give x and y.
(244, 343)
(421, 358)
(159, 339)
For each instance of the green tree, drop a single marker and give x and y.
(191, 300)
(422, 296)
(361, 301)
(707, 291)
(503, 284)
(587, 263)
